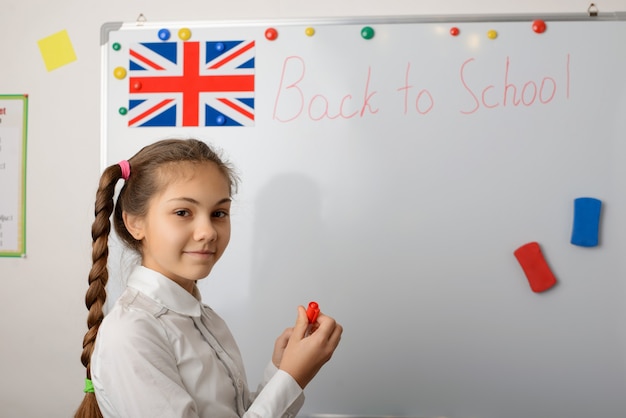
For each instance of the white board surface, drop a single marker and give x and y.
(390, 179)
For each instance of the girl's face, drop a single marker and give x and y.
(187, 227)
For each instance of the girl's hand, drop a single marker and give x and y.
(301, 355)
(280, 345)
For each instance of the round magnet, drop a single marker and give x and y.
(220, 120)
(184, 34)
(271, 34)
(164, 34)
(367, 32)
(137, 86)
(492, 34)
(454, 31)
(116, 46)
(122, 111)
(119, 73)
(309, 31)
(539, 26)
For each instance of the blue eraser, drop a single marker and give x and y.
(586, 221)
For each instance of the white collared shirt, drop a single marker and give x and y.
(161, 353)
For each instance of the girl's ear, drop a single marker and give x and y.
(134, 225)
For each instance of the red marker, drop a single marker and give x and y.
(312, 312)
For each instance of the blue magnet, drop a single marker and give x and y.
(219, 46)
(220, 120)
(586, 221)
(164, 34)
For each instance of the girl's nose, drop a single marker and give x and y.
(205, 231)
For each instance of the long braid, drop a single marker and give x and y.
(98, 277)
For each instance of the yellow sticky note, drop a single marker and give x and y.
(56, 50)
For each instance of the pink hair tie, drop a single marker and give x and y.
(125, 166)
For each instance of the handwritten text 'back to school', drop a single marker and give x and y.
(294, 101)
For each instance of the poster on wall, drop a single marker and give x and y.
(13, 122)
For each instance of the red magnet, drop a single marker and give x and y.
(539, 26)
(271, 34)
(454, 31)
(312, 312)
(537, 271)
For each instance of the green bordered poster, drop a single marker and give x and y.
(13, 123)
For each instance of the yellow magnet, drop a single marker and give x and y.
(184, 34)
(119, 73)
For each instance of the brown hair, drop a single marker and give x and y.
(148, 171)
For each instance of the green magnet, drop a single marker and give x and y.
(367, 32)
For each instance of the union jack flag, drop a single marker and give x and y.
(191, 84)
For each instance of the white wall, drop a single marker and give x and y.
(42, 314)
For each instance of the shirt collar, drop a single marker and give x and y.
(166, 292)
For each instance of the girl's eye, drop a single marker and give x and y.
(182, 212)
(220, 214)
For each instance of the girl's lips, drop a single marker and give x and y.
(200, 253)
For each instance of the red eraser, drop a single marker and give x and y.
(312, 312)
(537, 271)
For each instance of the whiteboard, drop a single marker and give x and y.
(390, 179)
